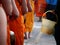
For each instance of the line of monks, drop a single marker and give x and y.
(18, 16)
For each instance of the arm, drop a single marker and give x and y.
(3, 27)
(15, 9)
(29, 6)
(7, 5)
(24, 7)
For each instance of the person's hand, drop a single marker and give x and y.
(16, 16)
(24, 18)
(13, 17)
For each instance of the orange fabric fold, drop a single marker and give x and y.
(40, 7)
(8, 35)
(29, 21)
(17, 26)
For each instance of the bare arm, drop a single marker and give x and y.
(15, 9)
(29, 6)
(7, 5)
(3, 27)
(24, 7)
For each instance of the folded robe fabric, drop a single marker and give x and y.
(29, 21)
(8, 35)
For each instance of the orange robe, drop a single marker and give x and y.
(29, 21)
(8, 35)
(8, 32)
(17, 26)
(32, 4)
(39, 7)
(30, 18)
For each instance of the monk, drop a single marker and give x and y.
(7, 10)
(29, 18)
(17, 24)
(10, 6)
(39, 7)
